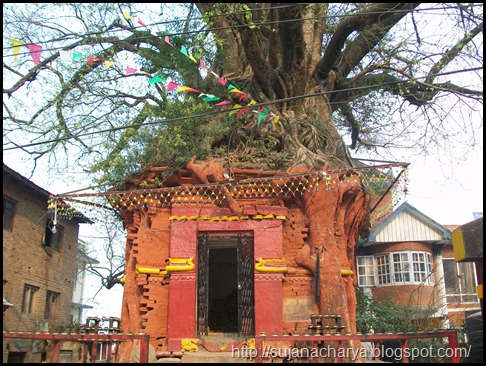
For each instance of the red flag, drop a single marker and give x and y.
(129, 70)
(203, 65)
(35, 51)
(92, 59)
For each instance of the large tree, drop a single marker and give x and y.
(334, 78)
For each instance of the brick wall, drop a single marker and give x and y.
(26, 261)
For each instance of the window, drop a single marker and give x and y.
(54, 240)
(52, 304)
(8, 213)
(401, 267)
(28, 299)
(460, 281)
(366, 271)
(383, 266)
(395, 268)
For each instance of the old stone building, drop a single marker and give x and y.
(39, 267)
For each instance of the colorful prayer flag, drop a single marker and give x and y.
(35, 51)
(92, 59)
(156, 79)
(16, 47)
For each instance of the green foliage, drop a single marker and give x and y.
(381, 317)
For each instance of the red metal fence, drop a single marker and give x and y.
(87, 339)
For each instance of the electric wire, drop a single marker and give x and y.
(208, 114)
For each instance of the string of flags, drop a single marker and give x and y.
(375, 179)
(264, 114)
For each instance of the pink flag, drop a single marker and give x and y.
(171, 86)
(222, 81)
(203, 65)
(35, 51)
(129, 70)
(224, 102)
(167, 40)
(140, 21)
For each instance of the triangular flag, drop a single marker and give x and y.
(224, 102)
(235, 109)
(171, 86)
(92, 59)
(222, 81)
(210, 98)
(192, 58)
(16, 47)
(140, 21)
(231, 86)
(126, 15)
(77, 56)
(275, 119)
(187, 89)
(234, 90)
(242, 111)
(109, 63)
(156, 79)
(184, 51)
(166, 39)
(203, 65)
(262, 115)
(35, 51)
(252, 102)
(243, 96)
(129, 70)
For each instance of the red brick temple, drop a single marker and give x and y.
(209, 259)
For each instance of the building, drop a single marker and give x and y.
(409, 257)
(39, 267)
(82, 260)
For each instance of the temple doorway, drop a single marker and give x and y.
(225, 286)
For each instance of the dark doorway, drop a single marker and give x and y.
(223, 292)
(225, 286)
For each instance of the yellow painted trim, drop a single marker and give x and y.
(260, 266)
(227, 218)
(188, 266)
(479, 290)
(149, 271)
(346, 272)
(458, 244)
(189, 345)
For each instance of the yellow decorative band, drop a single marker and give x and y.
(346, 272)
(228, 218)
(181, 265)
(479, 290)
(261, 266)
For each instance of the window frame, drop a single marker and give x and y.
(55, 241)
(459, 277)
(366, 267)
(388, 271)
(11, 213)
(29, 299)
(51, 310)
